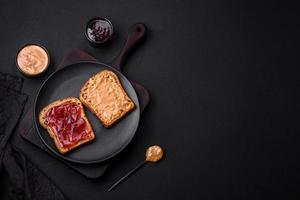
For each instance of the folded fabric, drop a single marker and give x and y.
(12, 102)
(26, 181)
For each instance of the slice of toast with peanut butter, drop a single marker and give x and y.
(104, 96)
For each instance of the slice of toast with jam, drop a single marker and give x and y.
(66, 124)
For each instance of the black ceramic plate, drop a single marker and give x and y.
(67, 82)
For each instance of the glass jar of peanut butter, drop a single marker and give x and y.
(32, 59)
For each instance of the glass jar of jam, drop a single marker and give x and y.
(99, 30)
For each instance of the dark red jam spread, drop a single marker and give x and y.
(67, 124)
(99, 30)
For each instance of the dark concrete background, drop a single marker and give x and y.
(225, 94)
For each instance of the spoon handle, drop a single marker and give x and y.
(127, 175)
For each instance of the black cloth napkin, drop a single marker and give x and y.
(26, 181)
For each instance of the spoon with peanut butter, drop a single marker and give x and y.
(153, 155)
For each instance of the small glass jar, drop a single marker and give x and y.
(99, 31)
(32, 60)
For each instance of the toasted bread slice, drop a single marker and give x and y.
(104, 95)
(59, 113)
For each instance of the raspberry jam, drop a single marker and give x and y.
(99, 30)
(67, 124)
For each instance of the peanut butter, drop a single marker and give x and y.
(154, 153)
(32, 60)
(107, 97)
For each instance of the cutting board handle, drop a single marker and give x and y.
(136, 34)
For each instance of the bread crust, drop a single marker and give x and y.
(42, 121)
(84, 98)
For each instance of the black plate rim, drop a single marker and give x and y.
(55, 153)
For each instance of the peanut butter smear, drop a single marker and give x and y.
(154, 153)
(32, 59)
(107, 96)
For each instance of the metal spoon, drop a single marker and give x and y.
(153, 155)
